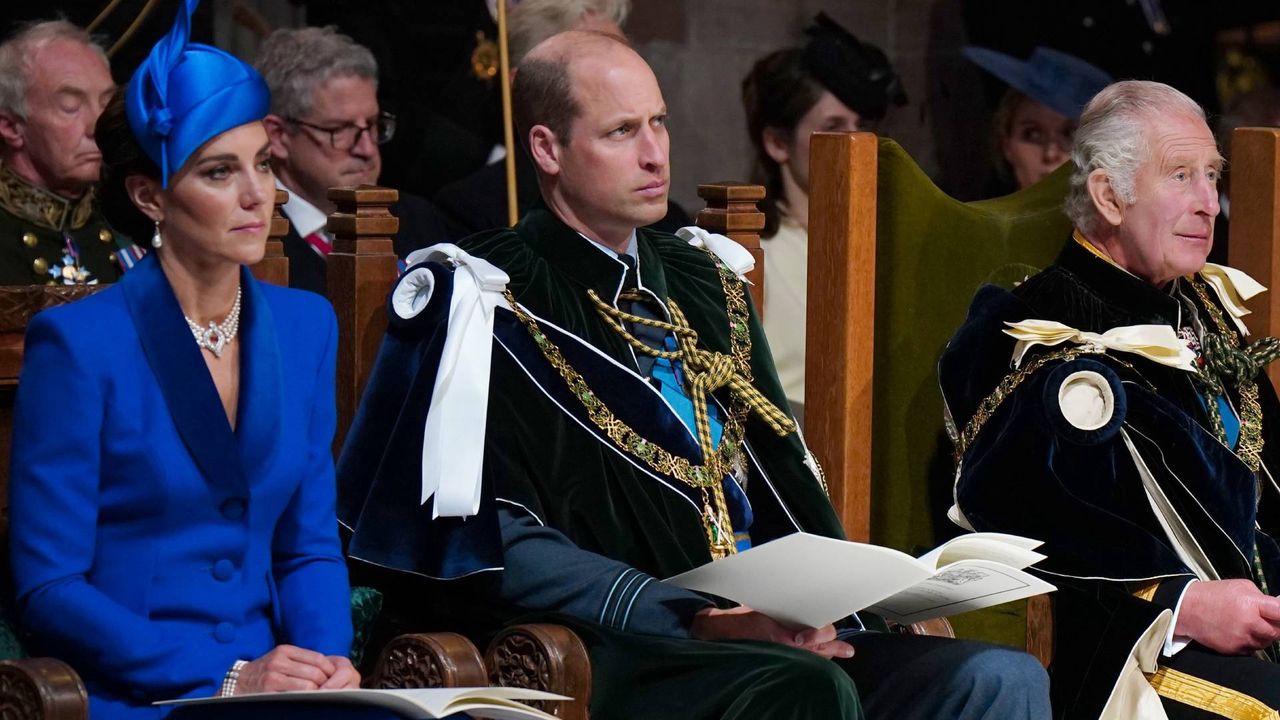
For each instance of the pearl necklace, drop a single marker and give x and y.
(215, 337)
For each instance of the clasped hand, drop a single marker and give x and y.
(743, 623)
(1232, 617)
(288, 668)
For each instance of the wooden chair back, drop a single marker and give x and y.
(362, 270)
(898, 262)
(732, 211)
(1254, 238)
(274, 266)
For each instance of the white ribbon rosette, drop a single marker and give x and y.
(453, 437)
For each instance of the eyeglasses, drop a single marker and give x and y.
(344, 137)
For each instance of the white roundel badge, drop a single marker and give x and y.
(1086, 400)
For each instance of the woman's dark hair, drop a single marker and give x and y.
(122, 156)
(776, 94)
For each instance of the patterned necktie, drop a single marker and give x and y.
(320, 243)
(647, 334)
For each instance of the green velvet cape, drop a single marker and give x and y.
(542, 453)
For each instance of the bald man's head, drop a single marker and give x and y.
(594, 121)
(542, 90)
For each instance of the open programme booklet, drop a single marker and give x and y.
(499, 703)
(809, 580)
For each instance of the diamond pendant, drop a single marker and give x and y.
(215, 340)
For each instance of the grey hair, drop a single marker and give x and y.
(17, 52)
(295, 61)
(1112, 136)
(532, 21)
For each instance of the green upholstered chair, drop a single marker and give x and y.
(898, 262)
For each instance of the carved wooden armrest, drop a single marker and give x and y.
(428, 660)
(41, 689)
(938, 627)
(543, 657)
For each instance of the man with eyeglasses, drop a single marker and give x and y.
(325, 127)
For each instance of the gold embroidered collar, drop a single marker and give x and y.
(40, 206)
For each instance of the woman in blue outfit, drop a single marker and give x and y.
(172, 492)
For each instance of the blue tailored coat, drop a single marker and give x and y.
(152, 545)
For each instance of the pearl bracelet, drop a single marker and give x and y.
(229, 680)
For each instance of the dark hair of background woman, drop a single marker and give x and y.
(122, 156)
(776, 94)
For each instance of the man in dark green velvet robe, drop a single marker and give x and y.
(1134, 435)
(597, 474)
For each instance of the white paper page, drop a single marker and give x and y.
(807, 580)
(960, 587)
(409, 703)
(1012, 550)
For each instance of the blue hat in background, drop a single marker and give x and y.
(185, 94)
(1063, 82)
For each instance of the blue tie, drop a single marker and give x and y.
(664, 374)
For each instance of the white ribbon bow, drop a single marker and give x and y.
(1232, 287)
(1158, 343)
(739, 259)
(453, 438)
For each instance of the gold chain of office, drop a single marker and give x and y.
(1219, 356)
(1224, 358)
(705, 371)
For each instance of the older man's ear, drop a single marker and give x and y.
(11, 130)
(1105, 198)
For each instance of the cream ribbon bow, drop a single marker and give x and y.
(1158, 343)
(453, 437)
(739, 259)
(1232, 287)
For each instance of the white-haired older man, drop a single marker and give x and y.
(1114, 407)
(325, 127)
(54, 82)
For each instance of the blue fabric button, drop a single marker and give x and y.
(233, 508)
(223, 570)
(224, 632)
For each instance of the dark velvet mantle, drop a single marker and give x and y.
(1030, 472)
(541, 452)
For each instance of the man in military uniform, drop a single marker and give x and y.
(54, 83)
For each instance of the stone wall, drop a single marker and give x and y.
(701, 50)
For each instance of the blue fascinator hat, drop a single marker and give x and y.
(185, 94)
(1063, 82)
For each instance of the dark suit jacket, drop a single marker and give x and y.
(421, 225)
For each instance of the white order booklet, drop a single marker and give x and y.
(499, 703)
(809, 581)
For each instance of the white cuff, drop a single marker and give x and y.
(1173, 644)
